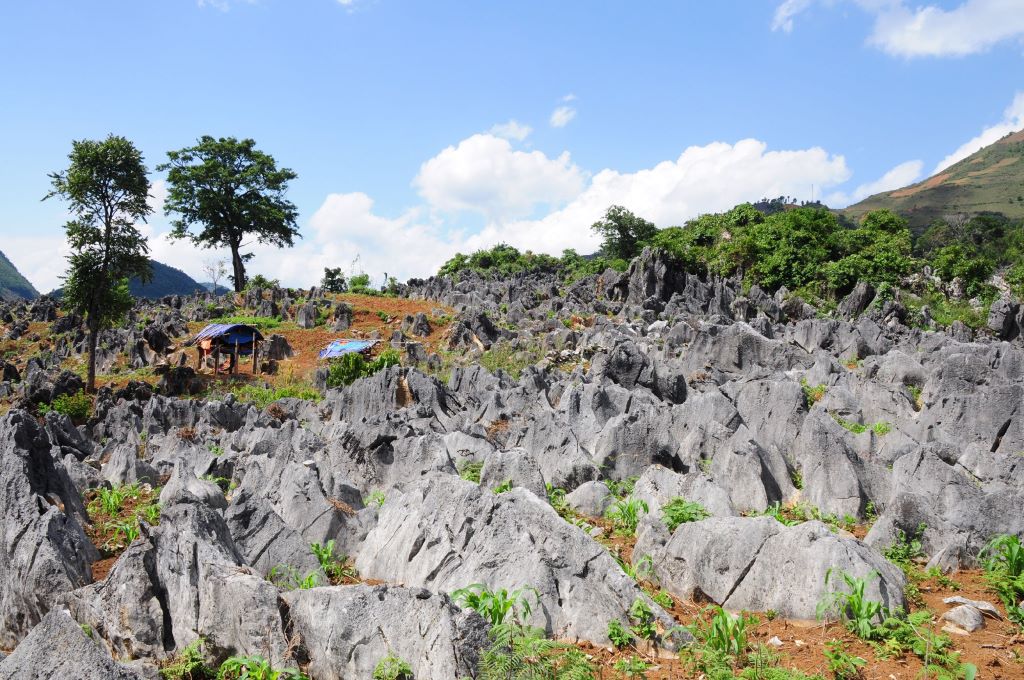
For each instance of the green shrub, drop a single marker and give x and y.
(520, 652)
(360, 285)
(680, 511)
(262, 282)
(255, 668)
(76, 406)
(262, 397)
(187, 664)
(287, 577)
(352, 366)
(470, 471)
(1003, 561)
(392, 668)
(263, 323)
(842, 665)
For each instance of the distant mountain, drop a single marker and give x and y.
(208, 285)
(166, 281)
(12, 284)
(990, 180)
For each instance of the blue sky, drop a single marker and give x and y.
(422, 128)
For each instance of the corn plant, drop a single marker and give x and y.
(639, 571)
(725, 633)
(857, 612)
(150, 513)
(680, 511)
(1003, 561)
(625, 514)
(496, 605)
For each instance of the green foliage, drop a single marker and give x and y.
(619, 634)
(842, 665)
(470, 471)
(504, 486)
(260, 282)
(520, 652)
(1003, 561)
(262, 397)
(857, 612)
(496, 605)
(255, 668)
(905, 549)
(725, 633)
(352, 366)
(333, 280)
(392, 667)
(642, 617)
(287, 577)
(680, 511)
(111, 500)
(625, 514)
(961, 261)
(76, 406)
(622, 489)
(187, 664)
(359, 284)
(106, 189)
(375, 498)
(503, 356)
(632, 667)
(623, 234)
(233, 191)
(637, 571)
(915, 394)
(502, 259)
(263, 323)
(812, 393)
(336, 567)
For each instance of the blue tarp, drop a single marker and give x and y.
(227, 334)
(338, 348)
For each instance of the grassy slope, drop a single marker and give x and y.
(12, 283)
(990, 180)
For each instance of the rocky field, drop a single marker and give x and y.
(646, 474)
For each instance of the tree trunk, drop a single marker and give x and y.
(90, 382)
(239, 269)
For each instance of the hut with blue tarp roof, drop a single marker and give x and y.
(339, 348)
(232, 339)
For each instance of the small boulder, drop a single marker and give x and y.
(965, 617)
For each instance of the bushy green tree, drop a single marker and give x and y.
(234, 191)
(106, 187)
(623, 234)
(334, 280)
(879, 251)
(961, 261)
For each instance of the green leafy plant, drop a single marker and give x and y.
(725, 633)
(287, 577)
(375, 498)
(812, 393)
(905, 549)
(255, 668)
(619, 634)
(625, 514)
(680, 511)
(857, 612)
(1003, 562)
(337, 568)
(392, 667)
(76, 406)
(623, 488)
(352, 366)
(504, 486)
(632, 667)
(520, 652)
(496, 605)
(642, 617)
(470, 471)
(841, 664)
(187, 664)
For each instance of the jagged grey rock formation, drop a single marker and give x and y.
(758, 564)
(58, 649)
(347, 630)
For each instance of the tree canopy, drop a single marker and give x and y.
(232, 191)
(623, 234)
(105, 187)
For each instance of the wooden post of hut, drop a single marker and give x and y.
(235, 359)
(255, 355)
(216, 360)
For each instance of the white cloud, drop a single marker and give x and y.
(512, 130)
(702, 179)
(485, 174)
(784, 13)
(562, 116)
(928, 30)
(1013, 120)
(900, 176)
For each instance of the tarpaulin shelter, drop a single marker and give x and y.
(339, 348)
(233, 339)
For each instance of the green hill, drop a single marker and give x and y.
(166, 281)
(12, 283)
(990, 180)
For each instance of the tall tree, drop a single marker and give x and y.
(623, 234)
(233, 191)
(106, 188)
